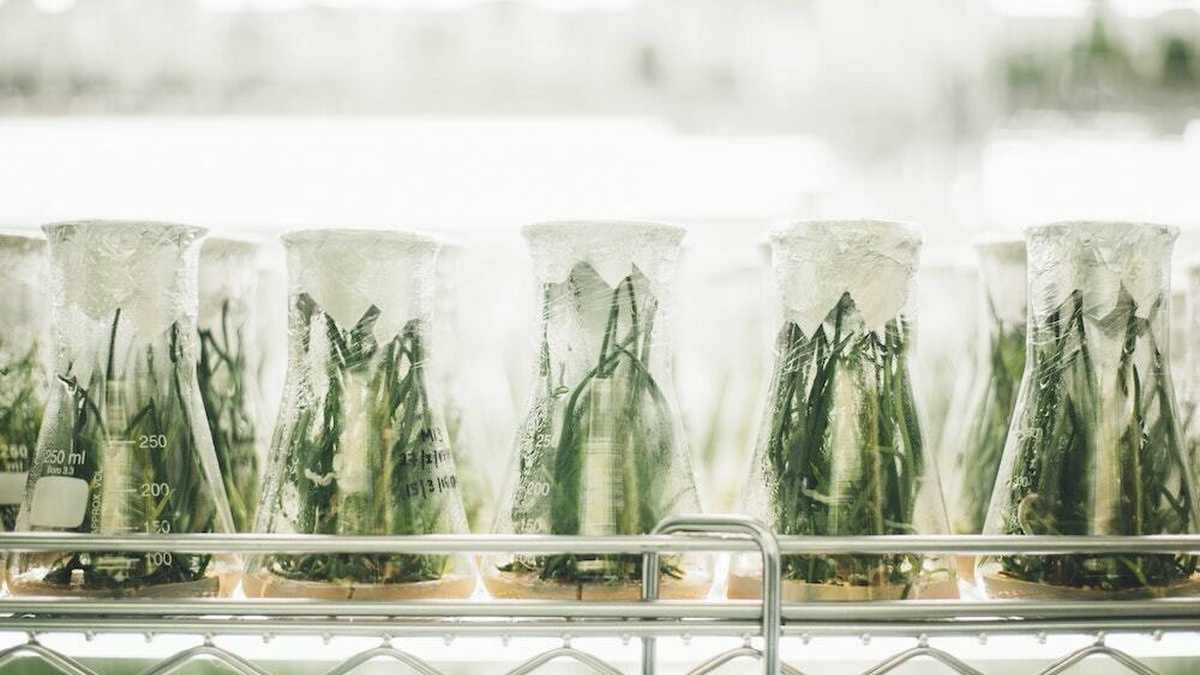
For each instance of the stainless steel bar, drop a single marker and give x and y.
(665, 609)
(767, 544)
(990, 544)
(901, 611)
(1010, 610)
(984, 628)
(380, 627)
(649, 619)
(586, 629)
(309, 543)
(640, 544)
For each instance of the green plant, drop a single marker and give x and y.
(597, 449)
(843, 445)
(127, 431)
(1097, 449)
(21, 408)
(983, 443)
(366, 455)
(222, 374)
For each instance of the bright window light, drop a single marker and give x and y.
(1031, 178)
(268, 172)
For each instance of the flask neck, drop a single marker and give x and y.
(600, 330)
(1192, 328)
(1101, 290)
(23, 304)
(817, 264)
(118, 286)
(1109, 268)
(228, 284)
(612, 250)
(348, 277)
(1004, 283)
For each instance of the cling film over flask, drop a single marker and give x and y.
(841, 451)
(124, 447)
(360, 446)
(1185, 363)
(601, 450)
(1095, 445)
(470, 379)
(23, 333)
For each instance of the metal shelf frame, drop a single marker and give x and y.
(768, 621)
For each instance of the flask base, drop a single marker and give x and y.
(1001, 586)
(749, 587)
(34, 586)
(529, 585)
(449, 587)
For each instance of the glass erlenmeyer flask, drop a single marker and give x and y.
(24, 310)
(461, 365)
(1094, 447)
(271, 331)
(841, 450)
(227, 368)
(360, 447)
(124, 447)
(976, 449)
(601, 450)
(1187, 381)
(944, 350)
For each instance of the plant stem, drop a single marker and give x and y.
(366, 457)
(144, 466)
(843, 448)
(614, 440)
(1076, 438)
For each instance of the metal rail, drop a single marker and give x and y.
(377, 627)
(768, 546)
(695, 541)
(324, 543)
(648, 619)
(734, 610)
(886, 611)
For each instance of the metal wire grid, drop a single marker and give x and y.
(767, 622)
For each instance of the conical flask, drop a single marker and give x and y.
(227, 369)
(601, 449)
(24, 312)
(1187, 379)
(979, 443)
(840, 451)
(1094, 447)
(360, 448)
(944, 348)
(124, 447)
(462, 371)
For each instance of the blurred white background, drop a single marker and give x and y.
(959, 115)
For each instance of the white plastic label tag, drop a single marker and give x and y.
(59, 501)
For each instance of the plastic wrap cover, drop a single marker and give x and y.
(817, 262)
(840, 450)
(124, 446)
(360, 444)
(601, 449)
(148, 270)
(1094, 447)
(24, 311)
(976, 440)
